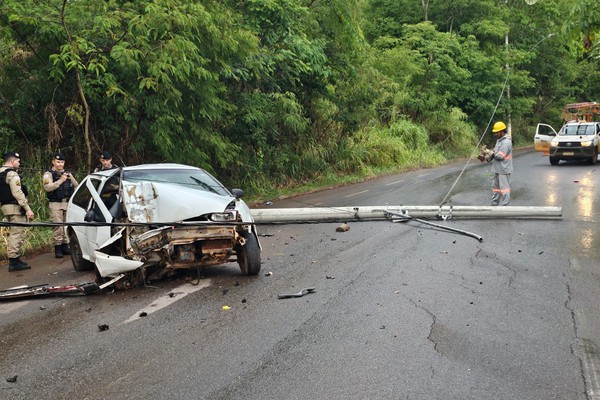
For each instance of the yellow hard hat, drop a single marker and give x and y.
(499, 126)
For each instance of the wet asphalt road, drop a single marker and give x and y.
(400, 311)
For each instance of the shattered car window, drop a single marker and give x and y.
(83, 196)
(190, 178)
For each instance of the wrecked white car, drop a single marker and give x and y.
(161, 218)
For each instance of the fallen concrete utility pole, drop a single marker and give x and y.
(344, 214)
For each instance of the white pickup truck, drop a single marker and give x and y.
(576, 140)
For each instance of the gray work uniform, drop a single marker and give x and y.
(502, 166)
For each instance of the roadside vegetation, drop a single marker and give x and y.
(280, 96)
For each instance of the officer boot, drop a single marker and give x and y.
(65, 249)
(15, 264)
(58, 251)
(23, 263)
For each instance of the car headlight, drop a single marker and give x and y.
(227, 216)
(587, 143)
(554, 143)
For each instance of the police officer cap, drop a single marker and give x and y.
(58, 156)
(11, 154)
(105, 155)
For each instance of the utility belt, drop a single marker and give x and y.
(66, 199)
(20, 210)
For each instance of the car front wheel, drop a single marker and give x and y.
(79, 263)
(248, 255)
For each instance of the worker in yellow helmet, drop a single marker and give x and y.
(502, 164)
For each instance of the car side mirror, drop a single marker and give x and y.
(237, 193)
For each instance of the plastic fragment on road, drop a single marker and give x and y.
(299, 294)
(226, 308)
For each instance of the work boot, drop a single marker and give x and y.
(58, 251)
(15, 264)
(65, 249)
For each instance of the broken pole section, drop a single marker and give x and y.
(358, 213)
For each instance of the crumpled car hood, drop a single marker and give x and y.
(165, 202)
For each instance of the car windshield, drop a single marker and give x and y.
(192, 178)
(577, 129)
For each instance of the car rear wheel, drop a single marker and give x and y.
(554, 161)
(248, 255)
(79, 263)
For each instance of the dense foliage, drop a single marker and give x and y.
(272, 93)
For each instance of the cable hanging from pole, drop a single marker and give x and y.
(480, 139)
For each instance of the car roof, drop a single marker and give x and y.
(580, 123)
(140, 167)
(159, 166)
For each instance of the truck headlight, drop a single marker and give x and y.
(554, 143)
(587, 143)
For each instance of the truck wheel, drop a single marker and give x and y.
(79, 263)
(248, 255)
(554, 161)
(594, 158)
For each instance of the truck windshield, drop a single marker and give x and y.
(577, 130)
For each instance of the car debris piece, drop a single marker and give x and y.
(343, 228)
(47, 290)
(103, 327)
(299, 294)
(12, 379)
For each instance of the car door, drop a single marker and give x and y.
(543, 136)
(79, 204)
(101, 210)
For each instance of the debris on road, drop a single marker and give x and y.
(343, 228)
(47, 290)
(299, 294)
(405, 216)
(103, 327)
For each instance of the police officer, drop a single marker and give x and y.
(105, 162)
(13, 196)
(59, 186)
